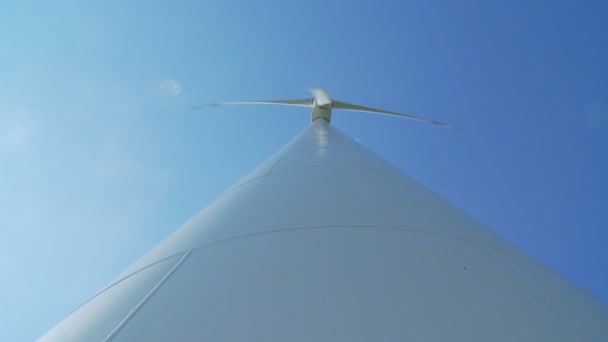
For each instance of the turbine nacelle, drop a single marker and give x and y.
(322, 104)
(322, 98)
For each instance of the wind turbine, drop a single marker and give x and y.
(322, 104)
(325, 241)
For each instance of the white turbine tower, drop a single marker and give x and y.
(327, 242)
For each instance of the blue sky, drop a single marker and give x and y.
(100, 157)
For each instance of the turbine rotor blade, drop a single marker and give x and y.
(297, 102)
(357, 108)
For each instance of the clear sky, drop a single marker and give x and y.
(100, 157)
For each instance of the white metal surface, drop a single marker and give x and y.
(327, 242)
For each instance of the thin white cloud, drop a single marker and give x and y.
(172, 87)
(17, 135)
(18, 126)
(16, 130)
